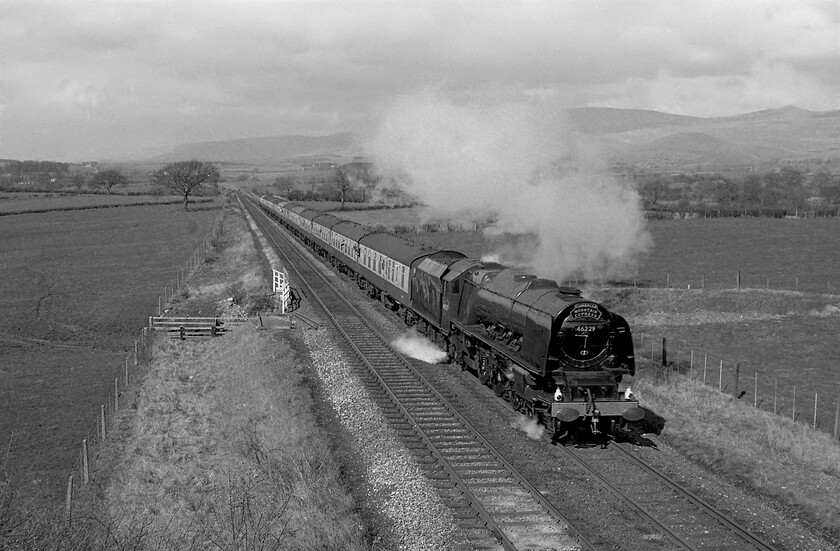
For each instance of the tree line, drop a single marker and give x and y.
(185, 178)
(786, 190)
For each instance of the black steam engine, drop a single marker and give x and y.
(554, 355)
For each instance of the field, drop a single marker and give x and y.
(75, 289)
(13, 203)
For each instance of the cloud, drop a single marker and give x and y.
(239, 68)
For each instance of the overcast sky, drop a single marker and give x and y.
(95, 80)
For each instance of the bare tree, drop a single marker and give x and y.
(343, 185)
(109, 179)
(185, 177)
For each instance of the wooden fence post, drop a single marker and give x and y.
(85, 464)
(775, 396)
(135, 351)
(836, 419)
(793, 410)
(720, 378)
(755, 391)
(737, 377)
(664, 352)
(738, 280)
(116, 394)
(705, 357)
(815, 410)
(68, 505)
(102, 423)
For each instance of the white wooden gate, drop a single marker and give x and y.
(281, 289)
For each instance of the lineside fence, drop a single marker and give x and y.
(816, 408)
(735, 280)
(130, 371)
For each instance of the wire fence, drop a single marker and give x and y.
(135, 366)
(736, 280)
(816, 407)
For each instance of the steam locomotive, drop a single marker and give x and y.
(556, 356)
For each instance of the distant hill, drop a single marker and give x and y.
(263, 150)
(629, 136)
(662, 139)
(606, 120)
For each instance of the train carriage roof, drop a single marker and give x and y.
(326, 220)
(393, 247)
(312, 214)
(351, 230)
(271, 198)
(296, 207)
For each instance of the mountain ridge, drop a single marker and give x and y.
(630, 136)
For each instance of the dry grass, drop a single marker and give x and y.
(226, 453)
(772, 454)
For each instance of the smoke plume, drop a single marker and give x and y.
(514, 161)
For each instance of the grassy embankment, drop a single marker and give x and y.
(220, 447)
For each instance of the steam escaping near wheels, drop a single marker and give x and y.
(418, 347)
(531, 427)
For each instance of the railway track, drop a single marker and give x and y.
(490, 499)
(682, 517)
(492, 504)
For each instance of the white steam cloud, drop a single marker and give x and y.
(416, 346)
(530, 427)
(516, 162)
